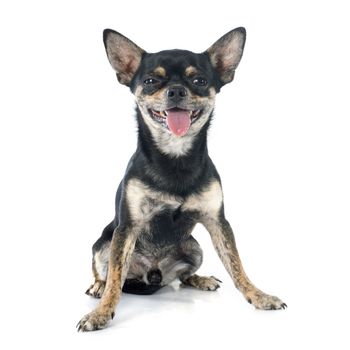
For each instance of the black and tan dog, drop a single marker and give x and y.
(170, 184)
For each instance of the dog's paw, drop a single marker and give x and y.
(96, 290)
(203, 283)
(264, 301)
(93, 321)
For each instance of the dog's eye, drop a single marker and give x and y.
(199, 81)
(150, 81)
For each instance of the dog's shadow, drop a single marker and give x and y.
(170, 298)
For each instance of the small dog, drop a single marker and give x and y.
(170, 183)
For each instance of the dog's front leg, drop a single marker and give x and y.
(225, 245)
(122, 246)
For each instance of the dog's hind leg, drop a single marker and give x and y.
(201, 282)
(100, 270)
(192, 257)
(100, 256)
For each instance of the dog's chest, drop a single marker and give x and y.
(145, 204)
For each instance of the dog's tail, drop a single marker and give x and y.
(134, 286)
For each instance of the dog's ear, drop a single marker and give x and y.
(226, 53)
(124, 56)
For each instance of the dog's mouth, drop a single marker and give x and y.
(177, 120)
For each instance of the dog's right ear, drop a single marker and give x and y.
(124, 56)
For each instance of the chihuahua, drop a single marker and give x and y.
(170, 184)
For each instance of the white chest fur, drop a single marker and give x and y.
(143, 202)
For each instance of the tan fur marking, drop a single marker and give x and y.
(121, 250)
(96, 290)
(224, 243)
(156, 98)
(138, 92)
(228, 253)
(100, 261)
(144, 203)
(202, 282)
(122, 246)
(94, 271)
(160, 71)
(208, 202)
(190, 71)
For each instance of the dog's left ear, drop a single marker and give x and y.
(226, 53)
(124, 56)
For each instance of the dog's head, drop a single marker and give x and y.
(175, 89)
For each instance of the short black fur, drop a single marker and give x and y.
(182, 175)
(170, 183)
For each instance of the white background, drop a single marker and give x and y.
(280, 140)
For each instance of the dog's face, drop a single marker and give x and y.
(175, 89)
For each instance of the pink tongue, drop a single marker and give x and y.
(178, 121)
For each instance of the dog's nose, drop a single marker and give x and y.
(176, 93)
(154, 277)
